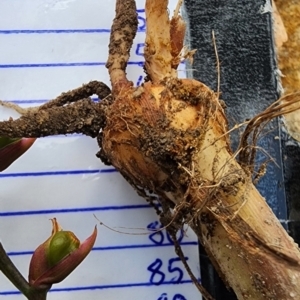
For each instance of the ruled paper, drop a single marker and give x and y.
(51, 46)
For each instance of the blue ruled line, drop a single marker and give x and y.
(54, 65)
(37, 101)
(109, 248)
(56, 173)
(58, 31)
(47, 31)
(102, 287)
(71, 210)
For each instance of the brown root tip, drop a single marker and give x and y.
(122, 34)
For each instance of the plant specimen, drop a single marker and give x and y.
(170, 140)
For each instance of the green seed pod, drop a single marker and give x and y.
(58, 256)
(62, 244)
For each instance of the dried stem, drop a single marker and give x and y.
(177, 33)
(158, 43)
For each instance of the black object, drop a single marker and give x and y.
(244, 40)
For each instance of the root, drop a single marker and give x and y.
(122, 34)
(71, 112)
(180, 254)
(92, 88)
(84, 116)
(173, 225)
(20, 110)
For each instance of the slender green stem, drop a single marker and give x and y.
(35, 294)
(12, 273)
(16, 278)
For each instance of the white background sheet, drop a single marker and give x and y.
(47, 47)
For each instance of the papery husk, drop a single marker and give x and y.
(170, 137)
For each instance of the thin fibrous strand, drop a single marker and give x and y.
(172, 223)
(123, 31)
(177, 8)
(280, 107)
(180, 254)
(84, 116)
(92, 88)
(218, 63)
(20, 110)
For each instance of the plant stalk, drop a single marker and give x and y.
(245, 241)
(8, 268)
(12, 273)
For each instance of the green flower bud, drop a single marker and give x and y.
(57, 257)
(62, 244)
